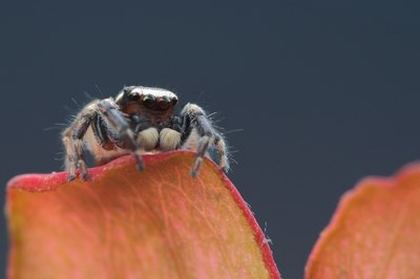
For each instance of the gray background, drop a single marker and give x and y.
(326, 92)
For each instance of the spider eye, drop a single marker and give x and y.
(163, 104)
(174, 101)
(134, 96)
(148, 101)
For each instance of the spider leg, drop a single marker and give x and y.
(119, 129)
(73, 144)
(221, 148)
(195, 123)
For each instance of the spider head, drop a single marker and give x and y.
(138, 99)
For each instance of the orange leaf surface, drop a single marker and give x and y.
(375, 232)
(159, 223)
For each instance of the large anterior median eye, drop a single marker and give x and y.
(149, 101)
(163, 103)
(134, 96)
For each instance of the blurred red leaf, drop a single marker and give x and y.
(160, 223)
(375, 232)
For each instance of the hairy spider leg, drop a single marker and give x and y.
(195, 122)
(73, 144)
(119, 132)
(119, 129)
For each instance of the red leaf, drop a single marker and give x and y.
(160, 223)
(375, 232)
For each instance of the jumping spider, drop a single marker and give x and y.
(139, 119)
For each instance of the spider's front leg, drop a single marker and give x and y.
(198, 131)
(72, 138)
(117, 128)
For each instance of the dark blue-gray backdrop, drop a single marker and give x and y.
(326, 92)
